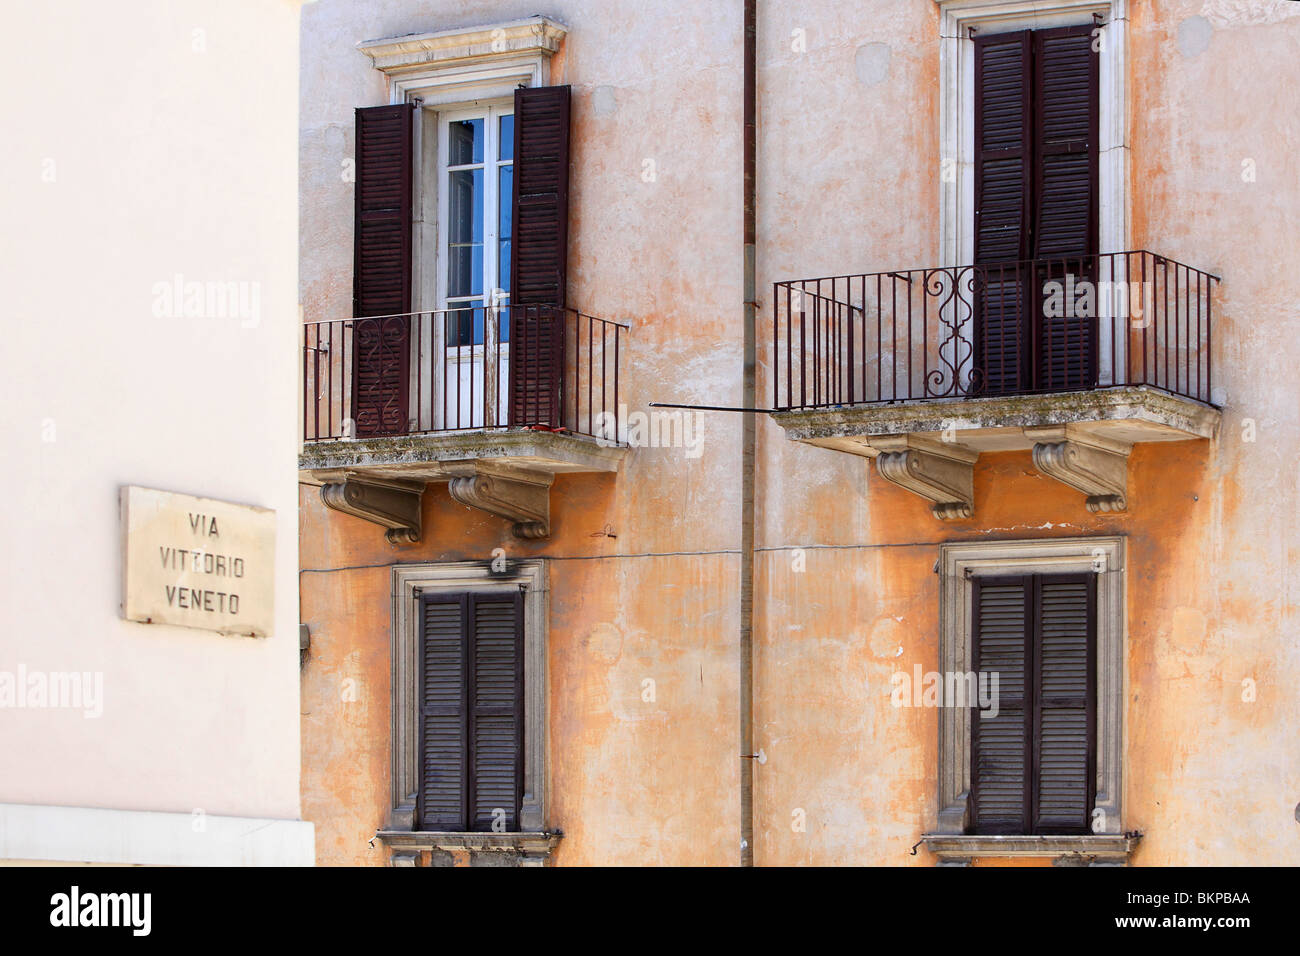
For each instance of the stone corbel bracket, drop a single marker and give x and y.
(940, 472)
(1096, 466)
(390, 503)
(523, 497)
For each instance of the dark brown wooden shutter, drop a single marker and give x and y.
(496, 720)
(1064, 702)
(539, 253)
(1000, 745)
(444, 771)
(1031, 765)
(1003, 180)
(1065, 197)
(1036, 119)
(381, 279)
(471, 711)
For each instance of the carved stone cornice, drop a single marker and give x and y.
(535, 35)
(523, 497)
(941, 473)
(1099, 470)
(394, 505)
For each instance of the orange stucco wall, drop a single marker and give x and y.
(644, 564)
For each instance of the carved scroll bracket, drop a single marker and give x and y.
(390, 503)
(517, 495)
(1097, 467)
(940, 472)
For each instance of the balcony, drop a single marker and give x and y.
(495, 401)
(923, 370)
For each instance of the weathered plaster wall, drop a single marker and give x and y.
(617, 760)
(848, 182)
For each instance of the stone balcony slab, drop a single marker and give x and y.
(930, 447)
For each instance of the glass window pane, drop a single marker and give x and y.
(506, 186)
(465, 233)
(505, 177)
(465, 324)
(464, 142)
(507, 141)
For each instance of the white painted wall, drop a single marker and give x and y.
(146, 140)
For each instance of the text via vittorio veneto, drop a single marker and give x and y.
(225, 570)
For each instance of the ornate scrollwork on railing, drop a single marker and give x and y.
(381, 347)
(955, 352)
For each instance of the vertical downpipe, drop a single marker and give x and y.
(749, 437)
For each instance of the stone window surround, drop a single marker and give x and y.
(463, 65)
(409, 581)
(957, 109)
(958, 563)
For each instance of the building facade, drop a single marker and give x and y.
(1022, 521)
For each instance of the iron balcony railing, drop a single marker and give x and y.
(1019, 328)
(459, 369)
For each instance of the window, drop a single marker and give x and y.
(1048, 616)
(485, 261)
(477, 171)
(1036, 139)
(1008, 358)
(446, 741)
(1031, 756)
(471, 711)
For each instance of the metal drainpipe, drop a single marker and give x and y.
(749, 438)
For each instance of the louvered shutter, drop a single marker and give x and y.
(1031, 765)
(382, 270)
(496, 724)
(1065, 196)
(1000, 745)
(1003, 154)
(1064, 702)
(444, 774)
(539, 253)
(471, 712)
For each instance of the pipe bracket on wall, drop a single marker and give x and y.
(391, 504)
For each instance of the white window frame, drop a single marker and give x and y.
(491, 113)
(451, 364)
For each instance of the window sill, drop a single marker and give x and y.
(533, 847)
(1110, 849)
